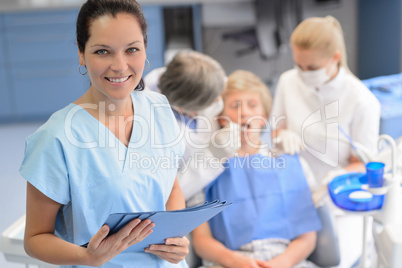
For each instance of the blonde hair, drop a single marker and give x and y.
(245, 81)
(192, 81)
(324, 34)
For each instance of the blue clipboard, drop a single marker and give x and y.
(168, 224)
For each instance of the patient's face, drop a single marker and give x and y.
(244, 108)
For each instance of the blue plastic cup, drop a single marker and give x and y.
(375, 174)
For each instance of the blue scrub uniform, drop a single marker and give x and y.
(76, 161)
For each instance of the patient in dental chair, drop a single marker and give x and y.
(273, 221)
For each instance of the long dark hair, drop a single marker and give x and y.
(93, 9)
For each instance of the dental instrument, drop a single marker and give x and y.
(359, 154)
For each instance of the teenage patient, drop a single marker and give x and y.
(273, 221)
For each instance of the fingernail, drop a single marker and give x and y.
(104, 228)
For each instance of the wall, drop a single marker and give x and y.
(379, 37)
(225, 50)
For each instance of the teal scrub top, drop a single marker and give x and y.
(76, 161)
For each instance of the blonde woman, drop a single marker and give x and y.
(316, 97)
(319, 94)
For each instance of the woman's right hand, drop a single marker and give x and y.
(102, 249)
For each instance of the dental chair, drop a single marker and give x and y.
(326, 253)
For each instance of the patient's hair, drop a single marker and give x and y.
(324, 34)
(192, 81)
(245, 81)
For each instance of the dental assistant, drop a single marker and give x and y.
(311, 101)
(193, 83)
(78, 164)
(319, 94)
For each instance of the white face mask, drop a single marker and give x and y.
(212, 110)
(316, 78)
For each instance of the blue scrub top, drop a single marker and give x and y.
(78, 162)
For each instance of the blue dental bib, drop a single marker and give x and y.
(271, 200)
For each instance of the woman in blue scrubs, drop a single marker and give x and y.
(110, 151)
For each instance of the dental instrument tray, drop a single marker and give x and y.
(349, 192)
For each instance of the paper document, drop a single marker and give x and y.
(176, 223)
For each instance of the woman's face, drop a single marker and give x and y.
(311, 60)
(245, 109)
(308, 59)
(114, 56)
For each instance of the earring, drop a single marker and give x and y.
(79, 70)
(148, 64)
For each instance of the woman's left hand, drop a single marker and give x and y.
(174, 250)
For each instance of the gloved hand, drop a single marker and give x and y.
(290, 141)
(225, 142)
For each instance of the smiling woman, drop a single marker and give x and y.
(114, 56)
(73, 187)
